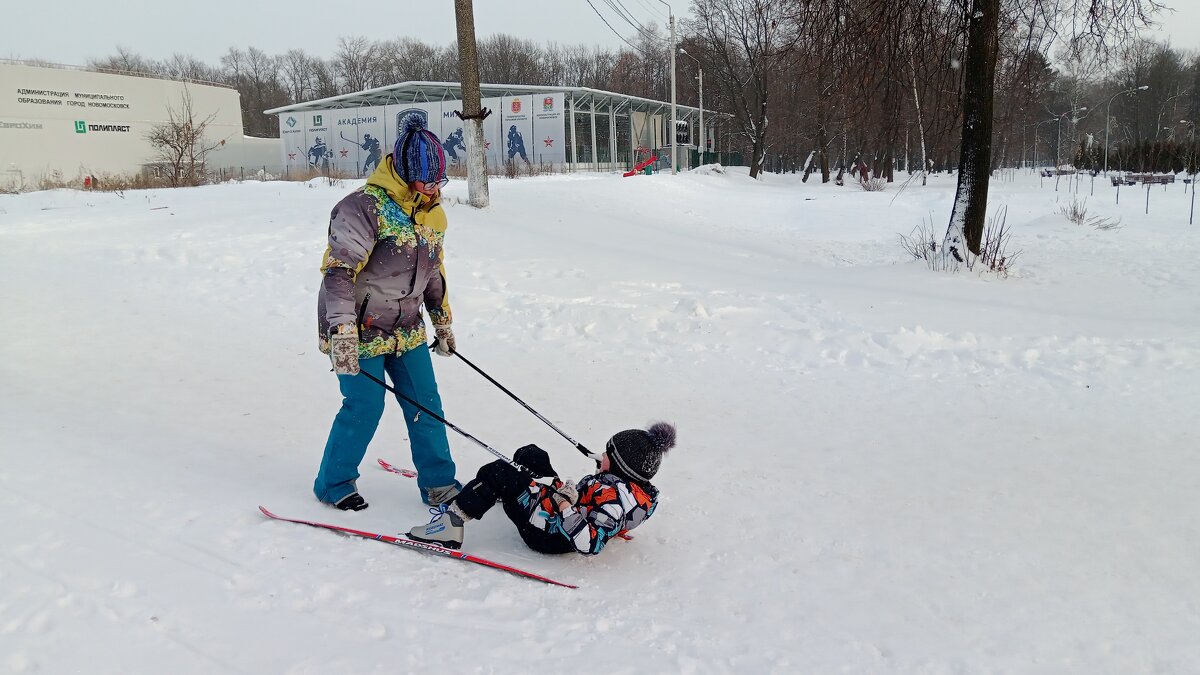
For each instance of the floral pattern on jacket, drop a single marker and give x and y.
(384, 261)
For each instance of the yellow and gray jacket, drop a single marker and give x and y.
(383, 261)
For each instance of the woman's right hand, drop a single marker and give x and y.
(343, 350)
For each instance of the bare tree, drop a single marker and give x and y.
(181, 143)
(353, 62)
(975, 163)
(1086, 25)
(296, 69)
(750, 41)
(125, 60)
(187, 67)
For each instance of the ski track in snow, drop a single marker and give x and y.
(881, 469)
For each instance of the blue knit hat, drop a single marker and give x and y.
(418, 154)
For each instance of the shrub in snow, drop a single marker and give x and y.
(994, 253)
(874, 184)
(1077, 213)
(923, 244)
(920, 243)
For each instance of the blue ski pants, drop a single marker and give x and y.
(411, 374)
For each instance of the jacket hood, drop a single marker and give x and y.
(385, 177)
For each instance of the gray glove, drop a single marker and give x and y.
(343, 350)
(566, 494)
(444, 345)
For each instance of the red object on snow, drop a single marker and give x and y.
(641, 165)
(87, 182)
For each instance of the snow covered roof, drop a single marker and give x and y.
(584, 99)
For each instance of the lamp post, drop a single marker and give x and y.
(674, 114)
(703, 134)
(1191, 152)
(1108, 118)
(1035, 137)
(1192, 168)
(1058, 149)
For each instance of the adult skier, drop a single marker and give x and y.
(383, 262)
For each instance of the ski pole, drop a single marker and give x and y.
(450, 424)
(578, 446)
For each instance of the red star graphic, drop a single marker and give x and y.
(549, 142)
(487, 144)
(291, 156)
(344, 152)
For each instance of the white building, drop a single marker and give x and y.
(68, 123)
(575, 127)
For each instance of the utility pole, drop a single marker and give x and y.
(703, 136)
(472, 115)
(674, 113)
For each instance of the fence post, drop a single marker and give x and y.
(1147, 198)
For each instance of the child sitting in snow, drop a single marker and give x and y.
(566, 516)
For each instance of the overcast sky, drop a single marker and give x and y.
(73, 31)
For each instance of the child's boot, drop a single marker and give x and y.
(446, 528)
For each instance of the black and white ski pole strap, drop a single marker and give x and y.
(578, 446)
(450, 424)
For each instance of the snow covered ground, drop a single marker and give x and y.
(880, 470)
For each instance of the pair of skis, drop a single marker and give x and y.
(417, 545)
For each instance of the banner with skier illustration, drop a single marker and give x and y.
(317, 153)
(343, 141)
(517, 128)
(454, 138)
(358, 145)
(353, 141)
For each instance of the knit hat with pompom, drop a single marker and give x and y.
(636, 453)
(418, 154)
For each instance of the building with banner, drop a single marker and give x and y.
(65, 123)
(575, 128)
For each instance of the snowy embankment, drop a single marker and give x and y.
(880, 468)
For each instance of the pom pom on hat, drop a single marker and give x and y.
(413, 122)
(662, 435)
(636, 453)
(417, 154)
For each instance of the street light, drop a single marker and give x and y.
(1108, 117)
(1035, 137)
(1192, 168)
(703, 134)
(1058, 149)
(674, 114)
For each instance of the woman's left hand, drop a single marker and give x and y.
(444, 344)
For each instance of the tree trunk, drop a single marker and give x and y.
(477, 181)
(823, 139)
(974, 167)
(920, 129)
